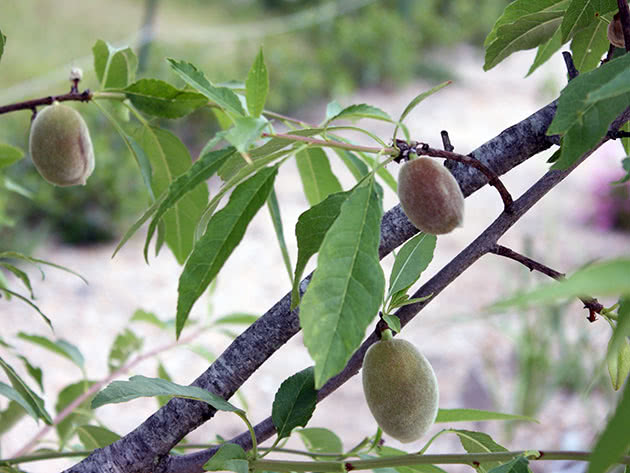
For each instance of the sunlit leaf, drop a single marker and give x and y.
(159, 98)
(294, 403)
(257, 86)
(412, 259)
(94, 436)
(317, 177)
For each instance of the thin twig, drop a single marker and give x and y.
(84, 96)
(332, 144)
(446, 141)
(572, 71)
(592, 304)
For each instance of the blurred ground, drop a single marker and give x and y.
(473, 353)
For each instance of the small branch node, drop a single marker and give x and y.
(446, 142)
(572, 71)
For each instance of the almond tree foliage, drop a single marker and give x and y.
(348, 231)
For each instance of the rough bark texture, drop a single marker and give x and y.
(146, 448)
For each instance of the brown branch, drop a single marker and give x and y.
(446, 141)
(624, 17)
(84, 96)
(572, 71)
(493, 179)
(592, 304)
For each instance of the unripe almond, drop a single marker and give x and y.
(60, 146)
(430, 196)
(615, 32)
(400, 388)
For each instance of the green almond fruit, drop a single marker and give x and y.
(430, 196)
(400, 388)
(60, 146)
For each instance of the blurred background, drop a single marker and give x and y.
(548, 363)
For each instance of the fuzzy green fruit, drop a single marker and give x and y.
(400, 388)
(60, 146)
(430, 196)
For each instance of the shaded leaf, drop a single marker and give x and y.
(589, 45)
(35, 402)
(478, 442)
(3, 42)
(9, 154)
(34, 372)
(347, 288)
(257, 86)
(81, 415)
(582, 13)
(294, 403)
(519, 464)
(355, 112)
(619, 364)
(276, 219)
(94, 436)
(357, 167)
(21, 275)
(625, 163)
(229, 457)
(12, 414)
(223, 233)
(320, 440)
(222, 96)
(310, 231)
(159, 98)
(60, 347)
(317, 177)
(125, 344)
(141, 386)
(393, 322)
(622, 330)
(614, 441)
(16, 398)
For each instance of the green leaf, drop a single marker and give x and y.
(34, 372)
(622, 330)
(205, 167)
(159, 98)
(60, 347)
(294, 403)
(222, 96)
(276, 219)
(163, 374)
(626, 167)
(416, 100)
(170, 159)
(358, 111)
(141, 315)
(478, 442)
(582, 13)
(318, 179)
(257, 86)
(546, 50)
(412, 259)
(245, 132)
(310, 231)
(333, 109)
(237, 318)
(125, 344)
(12, 414)
(8, 293)
(9, 154)
(476, 415)
(588, 46)
(519, 464)
(384, 452)
(528, 31)
(614, 440)
(320, 440)
(606, 278)
(114, 67)
(21, 275)
(94, 436)
(381, 172)
(357, 167)
(34, 401)
(519, 8)
(3, 42)
(229, 457)
(82, 414)
(37, 261)
(223, 233)
(392, 322)
(347, 287)
(141, 386)
(619, 364)
(15, 396)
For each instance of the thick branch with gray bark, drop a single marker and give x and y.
(146, 448)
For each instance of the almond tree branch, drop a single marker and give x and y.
(84, 96)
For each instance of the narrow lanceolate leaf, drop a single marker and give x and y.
(519, 464)
(384, 452)
(603, 279)
(347, 288)
(310, 231)
(355, 112)
(622, 330)
(614, 440)
(222, 96)
(59, 347)
(257, 86)
(417, 100)
(476, 415)
(223, 233)
(15, 396)
(581, 13)
(318, 179)
(588, 46)
(528, 31)
(519, 8)
(546, 50)
(21, 275)
(412, 259)
(229, 457)
(294, 402)
(141, 386)
(245, 132)
(206, 166)
(276, 218)
(3, 41)
(158, 98)
(619, 364)
(170, 159)
(585, 113)
(478, 442)
(94, 436)
(35, 402)
(9, 155)
(357, 167)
